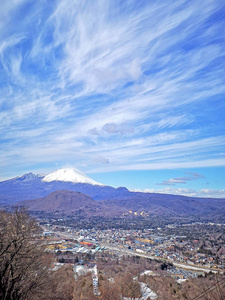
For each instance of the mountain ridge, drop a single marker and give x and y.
(30, 186)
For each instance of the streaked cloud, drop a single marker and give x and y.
(112, 85)
(184, 179)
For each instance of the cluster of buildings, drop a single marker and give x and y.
(153, 243)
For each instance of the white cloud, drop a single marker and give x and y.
(204, 193)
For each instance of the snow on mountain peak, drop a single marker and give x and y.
(27, 177)
(69, 175)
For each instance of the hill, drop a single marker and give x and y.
(60, 200)
(71, 203)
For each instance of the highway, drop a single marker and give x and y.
(176, 264)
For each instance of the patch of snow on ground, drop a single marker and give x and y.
(147, 292)
(148, 272)
(56, 266)
(80, 270)
(181, 280)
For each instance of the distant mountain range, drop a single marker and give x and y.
(71, 191)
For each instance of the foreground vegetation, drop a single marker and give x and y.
(25, 268)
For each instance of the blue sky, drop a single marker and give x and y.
(129, 92)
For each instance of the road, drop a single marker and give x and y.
(179, 265)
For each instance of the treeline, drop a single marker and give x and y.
(102, 223)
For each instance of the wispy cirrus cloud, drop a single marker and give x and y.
(112, 85)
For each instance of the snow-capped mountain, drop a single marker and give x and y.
(70, 175)
(29, 176)
(26, 177)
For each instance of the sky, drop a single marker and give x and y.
(129, 92)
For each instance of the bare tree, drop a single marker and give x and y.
(110, 290)
(24, 266)
(129, 287)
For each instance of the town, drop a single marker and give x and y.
(197, 246)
